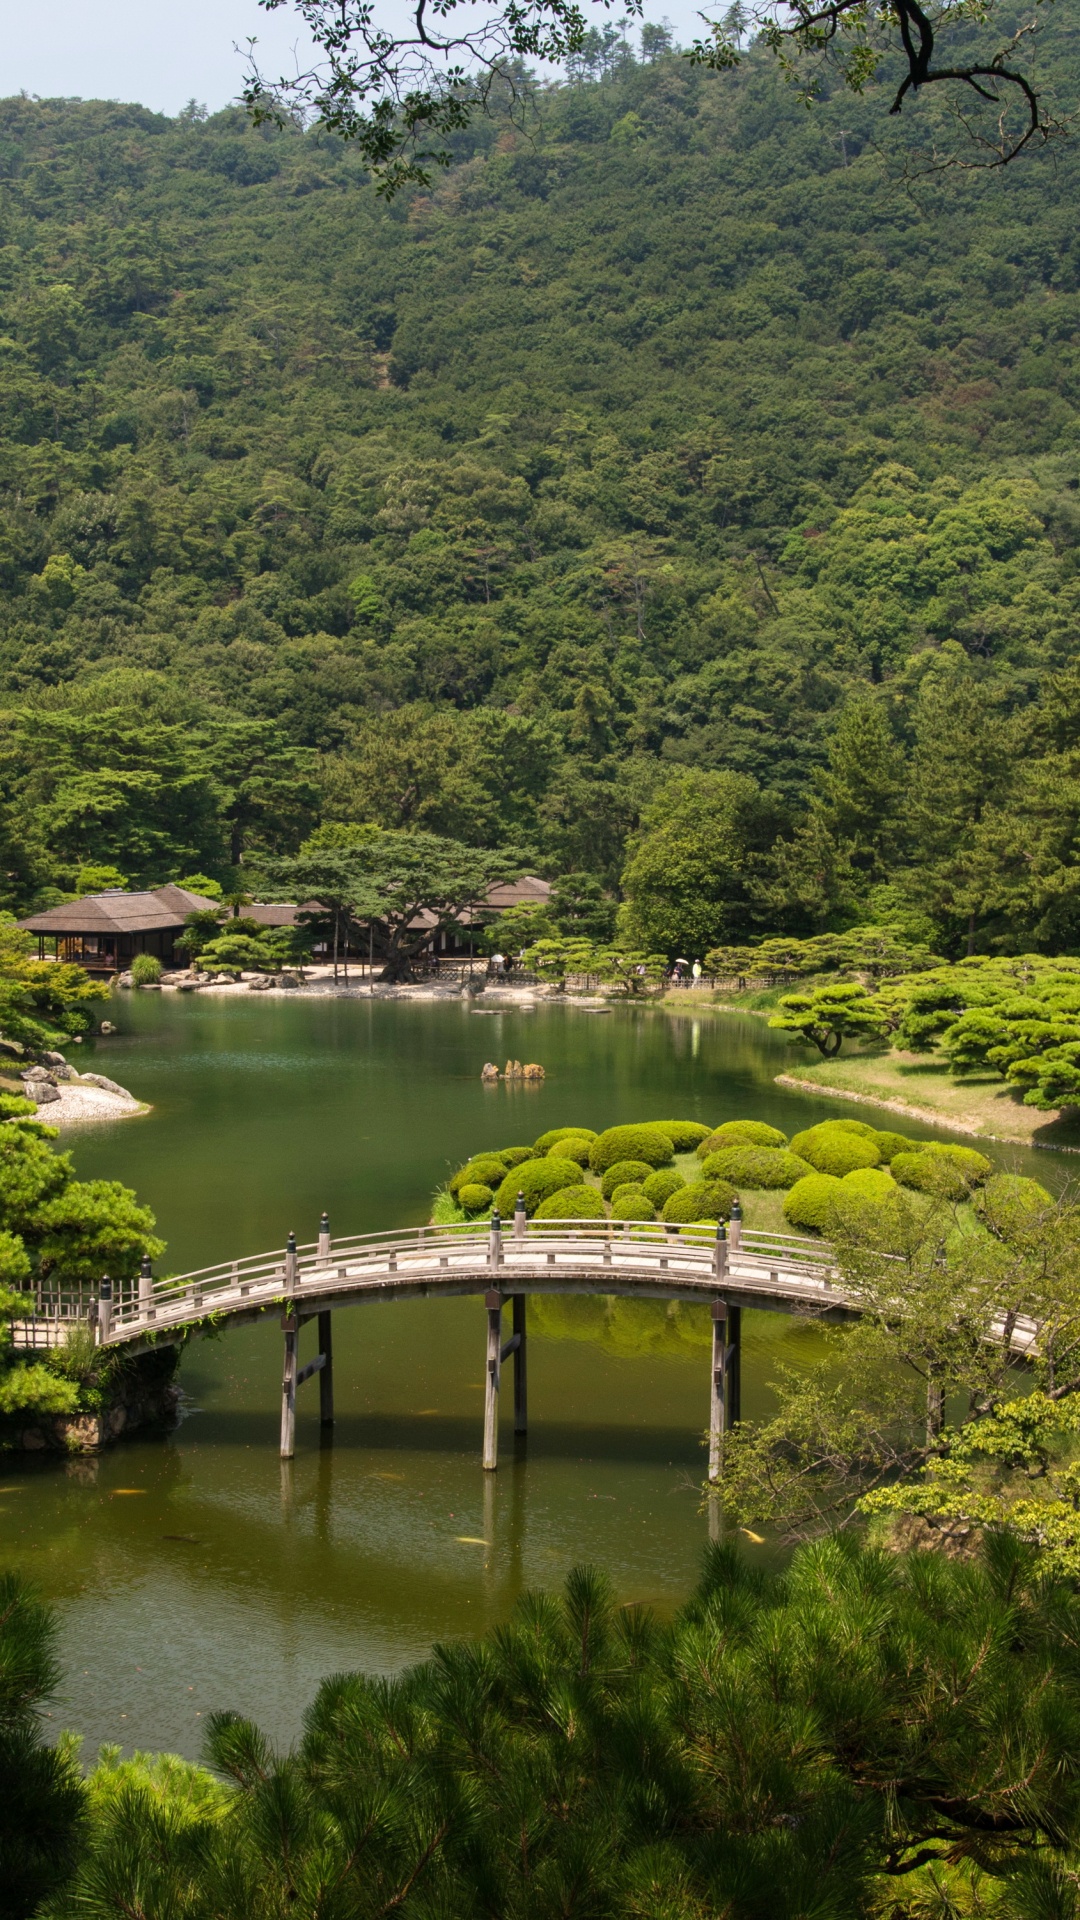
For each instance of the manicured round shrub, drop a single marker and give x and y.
(684, 1135)
(578, 1147)
(626, 1186)
(572, 1203)
(516, 1156)
(756, 1166)
(473, 1197)
(1008, 1195)
(537, 1179)
(633, 1171)
(660, 1186)
(835, 1149)
(487, 1170)
(811, 1203)
(701, 1200)
(742, 1133)
(890, 1143)
(630, 1204)
(649, 1143)
(869, 1183)
(930, 1173)
(974, 1166)
(554, 1134)
(853, 1126)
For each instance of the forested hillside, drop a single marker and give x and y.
(669, 430)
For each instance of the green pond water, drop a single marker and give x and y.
(196, 1571)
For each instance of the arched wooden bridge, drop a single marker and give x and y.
(728, 1270)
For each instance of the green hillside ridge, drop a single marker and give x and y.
(665, 435)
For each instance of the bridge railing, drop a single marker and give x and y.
(288, 1271)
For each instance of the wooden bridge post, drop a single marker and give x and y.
(290, 1264)
(493, 1301)
(105, 1304)
(521, 1218)
(521, 1384)
(326, 1375)
(726, 1381)
(290, 1326)
(146, 1288)
(735, 1231)
(324, 1236)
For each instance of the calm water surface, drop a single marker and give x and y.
(196, 1571)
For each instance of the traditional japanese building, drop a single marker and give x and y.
(104, 931)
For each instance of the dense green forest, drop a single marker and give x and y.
(671, 481)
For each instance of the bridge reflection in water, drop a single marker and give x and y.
(779, 1273)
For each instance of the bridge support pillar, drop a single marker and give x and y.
(326, 1373)
(726, 1380)
(521, 1382)
(493, 1301)
(290, 1326)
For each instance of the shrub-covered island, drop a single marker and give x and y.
(683, 1173)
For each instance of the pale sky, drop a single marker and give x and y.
(163, 53)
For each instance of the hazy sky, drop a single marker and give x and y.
(165, 52)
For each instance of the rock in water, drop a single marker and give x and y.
(533, 1072)
(490, 1072)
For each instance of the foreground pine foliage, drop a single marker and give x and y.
(864, 1734)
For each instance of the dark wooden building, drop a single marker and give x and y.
(104, 931)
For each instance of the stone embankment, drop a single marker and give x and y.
(65, 1096)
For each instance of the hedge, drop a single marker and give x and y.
(555, 1134)
(701, 1200)
(975, 1166)
(812, 1201)
(660, 1186)
(577, 1147)
(473, 1197)
(756, 1166)
(572, 1203)
(742, 1133)
(537, 1180)
(631, 1143)
(516, 1156)
(870, 1183)
(835, 1149)
(685, 1135)
(931, 1173)
(630, 1204)
(487, 1170)
(1011, 1193)
(624, 1171)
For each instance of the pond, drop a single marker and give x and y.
(196, 1571)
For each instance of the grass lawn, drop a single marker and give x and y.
(919, 1085)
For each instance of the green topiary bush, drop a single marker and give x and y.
(630, 1204)
(930, 1173)
(555, 1134)
(701, 1200)
(870, 1183)
(578, 1148)
(537, 1180)
(741, 1133)
(974, 1166)
(755, 1166)
(889, 1143)
(572, 1203)
(648, 1143)
(475, 1198)
(624, 1171)
(1011, 1196)
(853, 1126)
(835, 1149)
(811, 1204)
(660, 1186)
(487, 1170)
(516, 1156)
(684, 1135)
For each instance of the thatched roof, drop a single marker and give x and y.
(119, 912)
